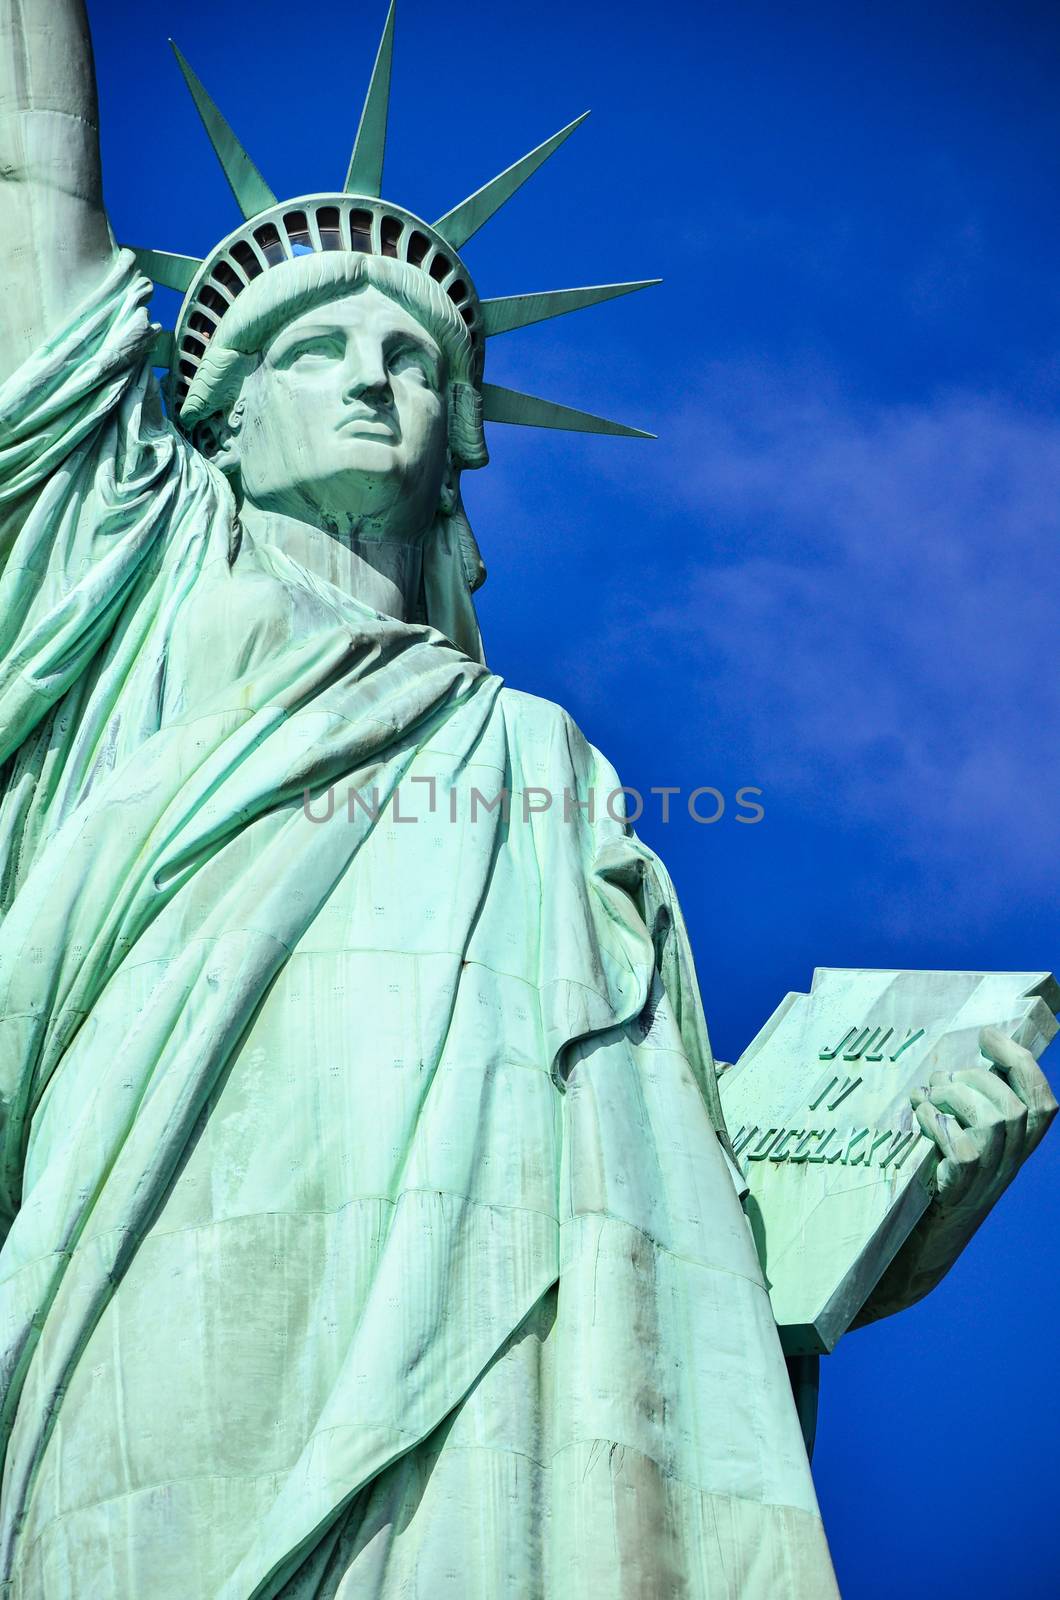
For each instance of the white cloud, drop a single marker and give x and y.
(870, 609)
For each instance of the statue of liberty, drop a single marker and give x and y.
(371, 1226)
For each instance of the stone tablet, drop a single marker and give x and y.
(823, 1129)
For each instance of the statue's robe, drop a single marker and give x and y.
(368, 1228)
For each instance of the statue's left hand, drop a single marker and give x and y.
(985, 1121)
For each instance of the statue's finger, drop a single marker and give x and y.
(985, 1140)
(998, 1140)
(938, 1127)
(957, 1168)
(1004, 1052)
(966, 1102)
(1026, 1079)
(996, 1088)
(1008, 1108)
(979, 1144)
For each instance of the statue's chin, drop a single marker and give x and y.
(364, 479)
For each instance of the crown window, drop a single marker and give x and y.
(269, 240)
(247, 259)
(389, 234)
(228, 279)
(297, 227)
(439, 267)
(204, 325)
(418, 246)
(328, 227)
(457, 291)
(361, 230)
(193, 347)
(213, 301)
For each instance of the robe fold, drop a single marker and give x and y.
(369, 1226)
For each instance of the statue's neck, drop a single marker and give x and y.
(382, 573)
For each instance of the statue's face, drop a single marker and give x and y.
(344, 421)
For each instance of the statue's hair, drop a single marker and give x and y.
(279, 296)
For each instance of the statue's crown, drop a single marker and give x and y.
(358, 220)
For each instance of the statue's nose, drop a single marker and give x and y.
(366, 373)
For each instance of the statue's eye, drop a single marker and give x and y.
(319, 347)
(414, 359)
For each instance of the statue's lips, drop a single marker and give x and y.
(368, 428)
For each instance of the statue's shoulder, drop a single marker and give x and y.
(543, 735)
(533, 714)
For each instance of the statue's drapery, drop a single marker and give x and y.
(368, 1230)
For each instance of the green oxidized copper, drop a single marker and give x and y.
(275, 234)
(369, 1219)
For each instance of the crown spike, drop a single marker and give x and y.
(365, 174)
(249, 187)
(508, 405)
(520, 310)
(468, 217)
(164, 267)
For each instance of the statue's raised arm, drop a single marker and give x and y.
(91, 474)
(56, 241)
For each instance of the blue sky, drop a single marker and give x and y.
(832, 576)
